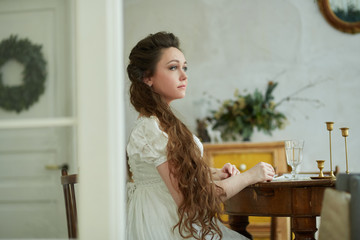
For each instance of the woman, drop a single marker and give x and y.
(174, 194)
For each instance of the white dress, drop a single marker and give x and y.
(152, 212)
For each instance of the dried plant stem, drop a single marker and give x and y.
(291, 96)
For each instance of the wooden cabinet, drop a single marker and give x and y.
(244, 156)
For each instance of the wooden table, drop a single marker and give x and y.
(299, 199)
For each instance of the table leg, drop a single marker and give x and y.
(304, 227)
(239, 224)
(273, 228)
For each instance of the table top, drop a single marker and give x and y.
(295, 183)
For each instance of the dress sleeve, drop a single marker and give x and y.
(150, 142)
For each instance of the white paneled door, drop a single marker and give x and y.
(34, 141)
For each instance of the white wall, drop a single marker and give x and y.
(243, 44)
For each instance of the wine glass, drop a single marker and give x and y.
(294, 154)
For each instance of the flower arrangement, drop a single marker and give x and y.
(240, 116)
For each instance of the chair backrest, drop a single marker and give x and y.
(340, 214)
(351, 183)
(68, 182)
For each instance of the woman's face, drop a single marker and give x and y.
(169, 79)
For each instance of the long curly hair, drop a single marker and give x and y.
(201, 203)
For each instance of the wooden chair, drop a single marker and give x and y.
(340, 213)
(68, 182)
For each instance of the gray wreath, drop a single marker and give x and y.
(18, 98)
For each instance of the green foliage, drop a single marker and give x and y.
(240, 116)
(18, 98)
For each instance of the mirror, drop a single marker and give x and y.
(341, 14)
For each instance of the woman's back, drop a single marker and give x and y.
(151, 210)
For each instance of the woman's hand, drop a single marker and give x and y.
(261, 172)
(228, 170)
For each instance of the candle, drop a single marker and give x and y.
(345, 133)
(330, 127)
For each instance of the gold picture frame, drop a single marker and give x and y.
(335, 21)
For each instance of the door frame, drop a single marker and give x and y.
(101, 122)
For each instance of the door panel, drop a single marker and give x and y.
(31, 199)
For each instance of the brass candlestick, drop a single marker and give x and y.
(345, 133)
(320, 166)
(330, 127)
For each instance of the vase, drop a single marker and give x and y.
(246, 134)
(246, 139)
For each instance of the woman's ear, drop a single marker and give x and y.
(148, 81)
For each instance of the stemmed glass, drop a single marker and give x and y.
(294, 154)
